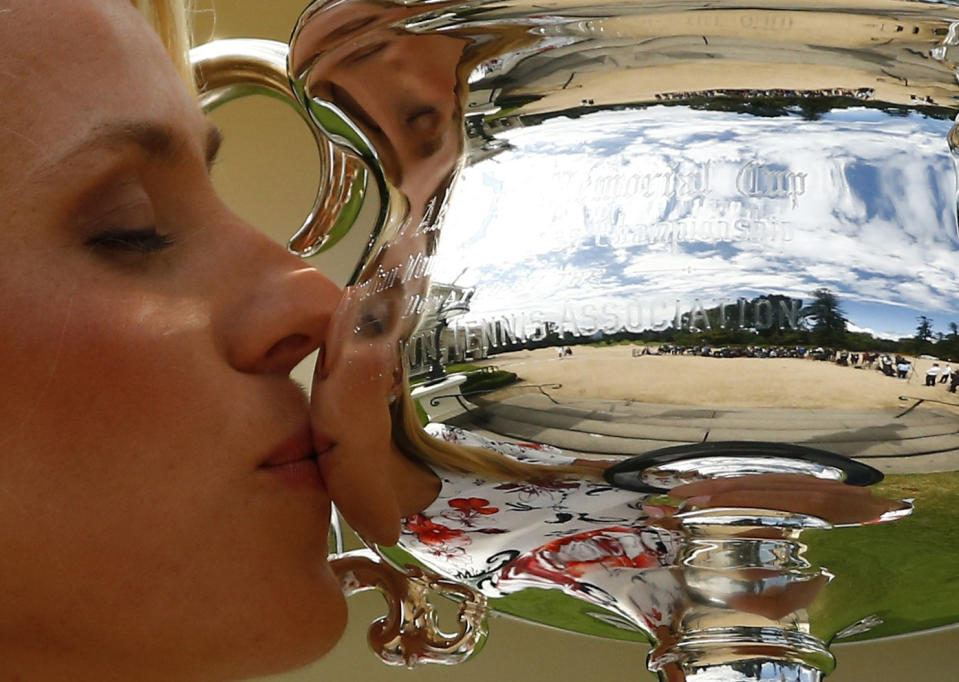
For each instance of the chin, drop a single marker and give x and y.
(385, 534)
(321, 622)
(303, 626)
(377, 523)
(374, 514)
(264, 642)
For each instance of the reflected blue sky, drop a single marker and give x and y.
(667, 203)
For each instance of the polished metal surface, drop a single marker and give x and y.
(409, 635)
(665, 224)
(349, 175)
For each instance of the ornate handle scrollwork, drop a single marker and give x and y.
(350, 171)
(409, 634)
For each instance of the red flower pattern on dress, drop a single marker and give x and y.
(433, 534)
(474, 505)
(466, 511)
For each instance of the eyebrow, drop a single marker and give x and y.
(156, 140)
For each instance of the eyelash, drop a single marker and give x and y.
(144, 240)
(369, 325)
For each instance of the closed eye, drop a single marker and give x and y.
(143, 240)
(369, 325)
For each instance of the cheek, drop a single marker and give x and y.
(354, 412)
(351, 406)
(99, 417)
(81, 369)
(425, 66)
(365, 495)
(360, 381)
(117, 453)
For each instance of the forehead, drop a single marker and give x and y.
(70, 66)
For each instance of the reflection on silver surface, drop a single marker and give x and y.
(661, 234)
(409, 635)
(687, 471)
(672, 224)
(228, 69)
(710, 587)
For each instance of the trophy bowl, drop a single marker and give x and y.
(686, 244)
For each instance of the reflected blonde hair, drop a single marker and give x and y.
(418, 445)
(170, 19)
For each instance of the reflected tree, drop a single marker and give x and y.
(825, 318)
(923, 333)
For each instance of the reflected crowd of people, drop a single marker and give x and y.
(894, 365)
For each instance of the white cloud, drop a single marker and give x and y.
(650, 204)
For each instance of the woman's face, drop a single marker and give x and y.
(399, 87)
(357, 380)
(352, 422)
(159, 510)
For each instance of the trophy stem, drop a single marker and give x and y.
(742, 654)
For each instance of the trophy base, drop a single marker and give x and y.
(743, 654)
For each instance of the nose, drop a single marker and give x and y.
(279, 308)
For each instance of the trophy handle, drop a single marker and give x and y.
(350, 172)
(409, 635)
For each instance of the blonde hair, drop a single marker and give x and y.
(420, 446)
(169, 18)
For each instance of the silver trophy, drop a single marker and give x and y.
(706, 251)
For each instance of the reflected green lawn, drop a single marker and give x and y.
(904, 572)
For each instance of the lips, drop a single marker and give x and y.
(322, 443)
(322, 449)
(297, 448)
(294, 462)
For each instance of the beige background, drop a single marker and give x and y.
(267, 174)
